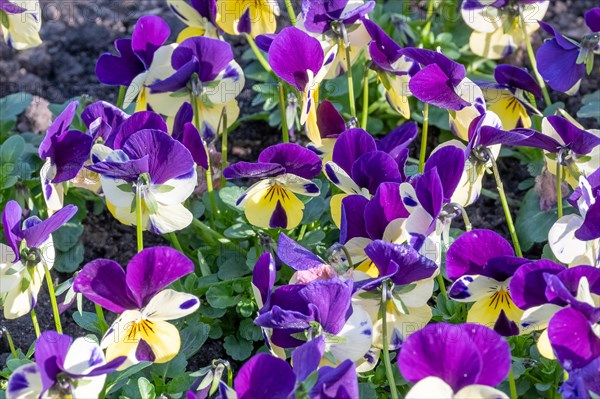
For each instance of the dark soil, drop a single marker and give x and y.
(76, 32)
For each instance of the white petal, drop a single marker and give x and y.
(134, 89)
(396, 231)
(485, 19)
(10, 274)
(358, 335)
(419, 295)
(368, 361)
(298, 185)
(25, 383)
(23, 31)
(170, 305)
(53, 193)
(562, 241)
(400, 324)
(83, 356)
(429, 388)
(175, 191)
(117, 191)
(356, 248)
(18, 302)
(480, 392)
(89, 387)
(169, 218)
(471, 288)
(261, 185)
(537, 318)
(341, 179)
(230, 83)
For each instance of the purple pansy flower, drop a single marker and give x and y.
(186, 133)
(324, 16)
(483, 263)
(62, 367)
(140, 155)
(30, 250)
(284, 170)
(140, 294)
(563, 62)
(444, 360)
(265, 376)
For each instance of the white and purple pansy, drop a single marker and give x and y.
(284, 170)
(30, 250)
(145, 304)
(142, 159)
(21, 23)
(449, 361)
(200, 16)
(62, 368)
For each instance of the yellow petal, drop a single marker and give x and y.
(188, 32)
(487, 309)
(369, 268)
(336, 208)
(261, 206)
(163, 338)
(262, 15)
(543, 345)
(510, 111)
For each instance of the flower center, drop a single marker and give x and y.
(137, 328)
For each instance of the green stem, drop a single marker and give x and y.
(53, 301)
(175, 241)
(503, 200)
(512, 385)
(440, 280)
(302, 232)
(284, 127)
(350, 81)
(365, 110)
(533, 62)
(138, 219)
(386, 347)
(101, 320)
(348, 257)
(423, 152)
(291, 13)
(218, 237)
(258, 54)
(559, 200)
(121, 98)
(11, 344)
(429, 18)
(36, 325)
(224, 147)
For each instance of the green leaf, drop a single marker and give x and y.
(88, 321)
(221, 296)
(250, 331)
(238, 348)
(230, 194)
(239, 231)
(69, 261)
(172, 368)
(146, 388)
(117, 379)
(13, 105)
(366, 391)
(192, 338)
(11, 150)
(67, 236)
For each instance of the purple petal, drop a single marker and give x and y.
(213, 56)
(432, 86)
(527, 287)
(193, 142)
(287, 297)
(71, 151)
(384, 207)
(330, 300)
(353, 220)
(11, 8)
(557, 288)
(430, 191)
(493, 350)
(144, 353)
(103, 282)
(50, 351)
(293, 53)
(108, 368)
(150, 32)
(37, 234)
(135, 123)
(184, 115)
(568, 281)
(578, 140)
(206, 8)
(590, 229)
(318, 14)
(398, 139)
(592, 19)
(58, 127)
(538, 140)
(264, 376)
(350, 145)
(244, 25)
(295, 159)
(594, 182)
(128, 170)
(562, 41)
(573, 350)
(295, 255)
(153, 269)
(452, 70)
(306, 358)
(502, 267)
(119, 70)
(330, 122)
(101, 118)
(558, 66)
(179, 80)
(167, 158)
(264, 42)
(472, 251)
(247, 170)
(517, 78)
(582, 382)
(340, 382)
(263, 277)
(505, 326)
(449, 163)
(383, 49)
(11, 222)
(373, 169)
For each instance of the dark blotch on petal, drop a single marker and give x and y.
(279, 217)
(144, 352)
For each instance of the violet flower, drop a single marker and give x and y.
(62, 368)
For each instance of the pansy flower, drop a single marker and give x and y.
(284, 170)
(298, 59)
(483, 263)
(265, 376)
(21, 23)
(200, 16)
(65, 152)
(563, 62)
(443, 83)
(323, 126)
(62, 367)
(497, 31)
(204, 68)
(448, 361)
(255, 17)
(507, 97)
(575, 239)
(140, 295)
(142, 60)
(393, 68)
(142, 158)
(30, 249)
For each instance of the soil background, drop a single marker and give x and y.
(76, 32)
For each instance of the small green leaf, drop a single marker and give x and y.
(192, 338)
(238, 348)
(67, 236)
(13, 105)
(221, 297)
(146, 388)
(69, 261)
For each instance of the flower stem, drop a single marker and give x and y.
(224, 147)
(503, 200)
(53, 301)
(429, 19)
(139, 219)
(291, 13)
(350, 81)
(175, 241)
(121, 98)
(258, 54)
(34, 321)
(512, 384)
(218, 237)
(101, 320)
(386, 347)
(284, 127)
(365, 110)
(559, 201)
(533, 62)
(11, 344)
(423, 152)
(440, 280)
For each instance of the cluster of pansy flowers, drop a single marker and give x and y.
(335, 319)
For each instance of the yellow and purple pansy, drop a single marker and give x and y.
(21, 23)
